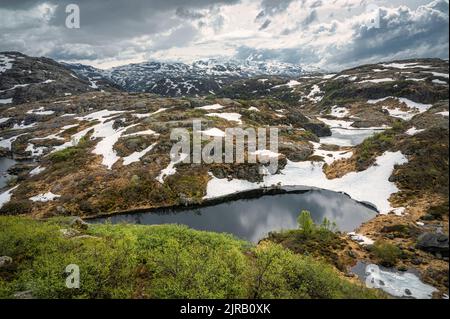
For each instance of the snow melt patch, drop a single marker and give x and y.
(337, 123)
(330, 156)
(439, 82)
(316, 95)
(378, 80)
(444, 114)
(405, 66)
(56, 135)
(170, 169)
(413, 131)
(40, 111)
(290, 84)
(141, 133)
(211, 107)
(438, 74)
(329, 76)
(6, 101)
(145, 115)
(35, 151)
(349, 137)
(136, 156)
(416, 108)
(100, 116)
(232, 117)
(371, 185)
(37, 171)
(6, 143)
(46, 197)
(105, 147)
(398, 113)
(23, 126)
(339, 111)
(5, 197)
(214, 132)
(361, 239)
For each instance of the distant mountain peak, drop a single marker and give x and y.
(205, 76)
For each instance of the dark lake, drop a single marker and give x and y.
(252, 219)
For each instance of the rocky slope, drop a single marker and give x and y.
(377, 132)
(27, 79)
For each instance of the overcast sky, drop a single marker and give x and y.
(331, 34)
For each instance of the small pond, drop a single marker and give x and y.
(395, 283)
(253, 218)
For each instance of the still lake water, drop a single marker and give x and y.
(5, 164)
(252, 219)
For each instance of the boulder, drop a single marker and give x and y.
(69, 233)
(296, 152)
(435, 243)
(24, 295)
(320, 129)
(5, 261)
(78, 223)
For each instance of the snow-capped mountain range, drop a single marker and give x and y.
(181, 79)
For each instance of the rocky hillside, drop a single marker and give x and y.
(27, 79)
(334, 114)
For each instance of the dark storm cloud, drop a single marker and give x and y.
(103, 23)
(265, 25)
(121, 18)
(272, 7)
(316, 4)
(189, 14)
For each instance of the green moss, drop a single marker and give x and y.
(376, 145)
(428, 168)
(70, 154)
(64, 155)
(129, 261)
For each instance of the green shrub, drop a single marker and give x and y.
(280, 273)
(16, 207)
(128, 261)
(306, 223)
(64, 155)
(70, 153)
(438, 212)
(386, 253)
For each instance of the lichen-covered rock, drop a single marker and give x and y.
(296, 152)
(28, 294)
(78, 223)
(5, 261)
(435, 243)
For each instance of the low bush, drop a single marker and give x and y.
(128, 261)
(387, 254)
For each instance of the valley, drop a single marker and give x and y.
(366, 148)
